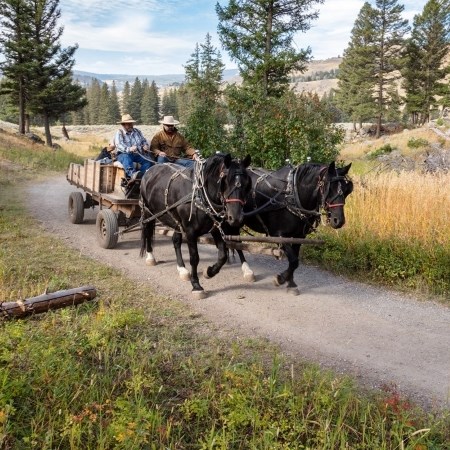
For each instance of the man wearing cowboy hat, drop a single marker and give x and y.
(130, 146)
(168, 145)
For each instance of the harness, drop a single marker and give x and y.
(199, 196)
(289, 196)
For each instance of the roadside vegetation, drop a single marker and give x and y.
(397, 230)
(132, 370)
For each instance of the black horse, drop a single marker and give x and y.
(288, 203)
(194, 202)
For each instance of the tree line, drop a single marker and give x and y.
(262, 116)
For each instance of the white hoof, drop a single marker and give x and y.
(150, 260)
(183, 273)
(249, 276)
(293, 291)
(205, 274)
(199, 295)
(275, 281)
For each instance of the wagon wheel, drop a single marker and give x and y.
(76, 207)
(107, 227)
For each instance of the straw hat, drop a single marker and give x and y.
(169, 120)
(126, 118)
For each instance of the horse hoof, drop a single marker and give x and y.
(249, 277)
(199, 295)
(183, 273)
(150, 262)
(293, 291)
(276, 282)
(205, 274)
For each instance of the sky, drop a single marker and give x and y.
(158, 37)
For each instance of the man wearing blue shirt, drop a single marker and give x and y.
(130, 147)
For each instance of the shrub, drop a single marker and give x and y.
(417, 143)
(383, 150)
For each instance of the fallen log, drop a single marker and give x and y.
(45, 302)
(273, 240)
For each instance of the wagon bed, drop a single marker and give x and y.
(105, 186)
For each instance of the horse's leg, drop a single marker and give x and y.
(213, 270)
(183, 273)
(147, 236)
(246, 271)
(287, 276)
(197, 290)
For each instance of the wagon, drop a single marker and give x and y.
(105, 186)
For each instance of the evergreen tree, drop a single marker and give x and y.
(205, 118)
(104, 113)
(16, 46)
(390, 29)
(258, 34)
(146, 107)
(155, 103)
(52, 91)
(169, 105)
(426, 67)
(126, 98)
(93, 96)
(114, 104)
(135, 102)
(356, 77)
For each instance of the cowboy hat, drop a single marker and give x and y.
(126, 118)
(169, 120)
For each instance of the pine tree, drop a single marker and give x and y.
(104, 113)
(16, 46)
(126, 98)
(146, 107)
(155, 103)
(93, 96)
(390, 29)
(52, 91)
(258, 34)
(425, 69)
(354, 95)
(114, 104)
(205, 118)
(135, 102)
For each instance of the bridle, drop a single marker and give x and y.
(326, 205)
(237, 185)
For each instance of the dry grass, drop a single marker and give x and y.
(406, 206)
(355, 150)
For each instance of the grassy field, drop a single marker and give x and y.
(133, 370)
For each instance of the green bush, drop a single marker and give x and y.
(417, 143)
(383, 150)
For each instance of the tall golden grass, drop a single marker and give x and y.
(407, 206)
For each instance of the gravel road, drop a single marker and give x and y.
(377, 336)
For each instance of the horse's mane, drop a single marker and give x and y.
(309, 172)
(211, 164)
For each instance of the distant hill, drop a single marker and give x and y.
(85, 78)
(315, 79)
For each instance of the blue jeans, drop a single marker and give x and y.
(180, 161)
(127, 160)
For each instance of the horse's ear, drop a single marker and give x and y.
(247, 160)
(344, 170)
(332, 168)
(227, 160)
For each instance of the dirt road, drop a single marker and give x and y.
(377, 336)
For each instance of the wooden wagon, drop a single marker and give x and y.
(105, 186)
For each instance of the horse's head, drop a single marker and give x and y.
(235, 185)
(335, 186)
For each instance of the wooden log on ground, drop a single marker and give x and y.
(273, 240)
(45, 302)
